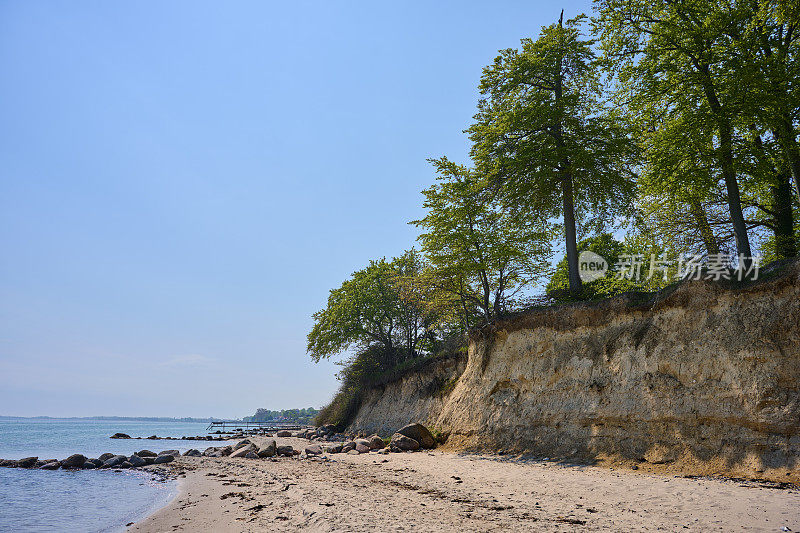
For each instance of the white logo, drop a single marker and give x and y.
(591, 266)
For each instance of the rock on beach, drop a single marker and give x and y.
(419, 433)
(402, 443)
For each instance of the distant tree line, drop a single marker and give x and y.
(674, 124)
(305, 415)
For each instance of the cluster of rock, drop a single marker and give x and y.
(107, 460)
(411, 437)
(156, 437)
(250, 450)
(408, 438)
(323, 433)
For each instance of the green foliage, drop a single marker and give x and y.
(683, 130)
(544, 137)
(293, 415)
(612, 251)
(478, 251)
(380, 304)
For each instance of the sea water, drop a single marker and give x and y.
(83, 500)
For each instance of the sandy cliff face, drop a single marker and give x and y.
(706, 378)
(417, 397)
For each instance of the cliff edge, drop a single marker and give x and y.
(703, 379)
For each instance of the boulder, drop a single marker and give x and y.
(161, 459)
(336, 448)
(347, 446)
(419, 433)
(251, 455)
(105, 457)
(362, 448)
(150, 460)
(283, 433)
(376, 443)
(88, 465)
(269, 450)
(218, 451)
(241, 452)
(51, 465)
(402, 443)
(136, 461)
(114, 461)
(286, 451)
(152, 437)
(314, 449)
(146, 453)
(192, 453)
(120, 436)
(176, 453)
(97, 462)
(241, 444)
(73, 461)
(125, 465)
(353, 452)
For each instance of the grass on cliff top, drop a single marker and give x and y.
(607, 289)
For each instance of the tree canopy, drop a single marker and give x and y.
(542, 134)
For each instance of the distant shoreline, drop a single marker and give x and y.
(124, 418)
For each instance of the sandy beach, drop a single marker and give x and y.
(446, 491)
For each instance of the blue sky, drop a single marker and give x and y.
(182, 183)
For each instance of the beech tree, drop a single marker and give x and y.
(769, 70)
(477, 250)
(664, 51)
(369, 309)
(543, 136)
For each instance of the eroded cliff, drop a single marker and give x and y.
(706, 379)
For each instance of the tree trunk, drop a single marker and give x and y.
(786, 139)
(781, 190)
(785, 243)
(725, 161)
(566, 190)
(570, 233)
(706, 233)
(732, 187)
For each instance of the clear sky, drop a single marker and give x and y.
(182, 183)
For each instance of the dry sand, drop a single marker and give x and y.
(439, 491)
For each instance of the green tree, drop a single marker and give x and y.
(769, 69)
(679, 56)
(362, 311)
(542, 133)
(678, 186)
(478, 251)
(369, 309)
(637, 247)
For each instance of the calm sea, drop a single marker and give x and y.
(91, 500)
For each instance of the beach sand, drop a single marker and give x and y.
(441, 491)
